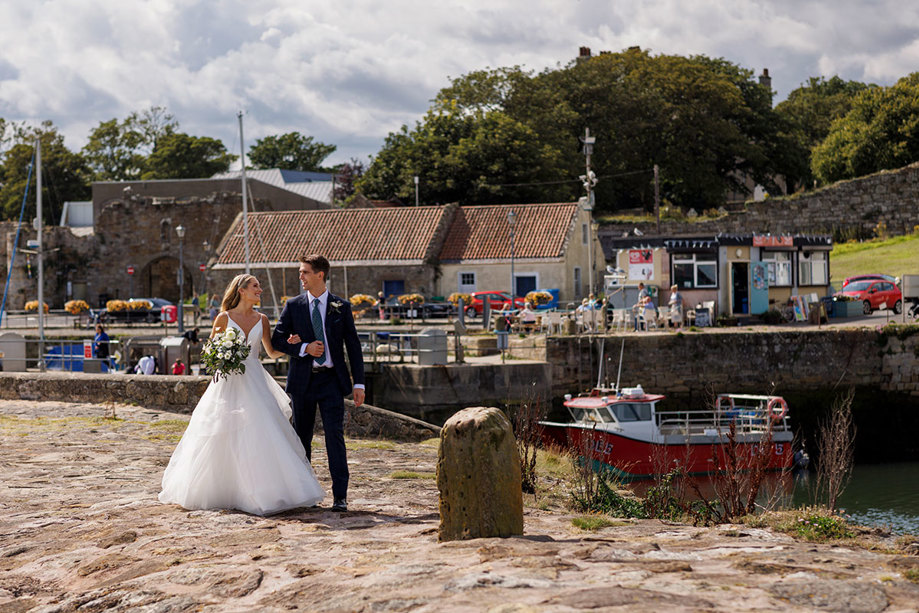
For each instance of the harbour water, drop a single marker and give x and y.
(885, 495)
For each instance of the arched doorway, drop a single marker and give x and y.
(159, 279)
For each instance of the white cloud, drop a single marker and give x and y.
(350, 72)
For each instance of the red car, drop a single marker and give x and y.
(868, 278)
(874, 293)
(496, 300)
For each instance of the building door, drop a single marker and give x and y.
(759, 288)
(393, 288)
(525, 284)
(740, 287)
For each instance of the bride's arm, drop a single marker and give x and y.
(220, 324)
(266, 339)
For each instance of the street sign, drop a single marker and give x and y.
(87, 349)
(130, 270)
(202, 267)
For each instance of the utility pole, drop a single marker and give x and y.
(416, 190)
(657, 198)
(242, 159)
(589, 179)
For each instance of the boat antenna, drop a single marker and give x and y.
(619, 374)
(602, 361)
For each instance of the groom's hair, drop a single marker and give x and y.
(318, 263)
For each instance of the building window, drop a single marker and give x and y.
(585, 237)
(577, 280)
(812, 268)
(695, 270)
(778, 264)
(466, 282)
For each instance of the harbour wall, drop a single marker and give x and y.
(686, 367)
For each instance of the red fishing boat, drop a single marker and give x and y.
(625, 432)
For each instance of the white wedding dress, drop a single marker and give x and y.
(239, 450)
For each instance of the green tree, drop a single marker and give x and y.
(881, 131)
(706, 122)
(118, 150)
(181, 156)
(65, 174)
(346, 177)
(468, 157)
(807, 114)
(291, 151)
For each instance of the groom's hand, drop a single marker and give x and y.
(315, 349)
(358, 396)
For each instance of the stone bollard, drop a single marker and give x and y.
(478, 475)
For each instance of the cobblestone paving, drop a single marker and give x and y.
(81, 530)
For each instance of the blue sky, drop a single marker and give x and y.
(350, 72)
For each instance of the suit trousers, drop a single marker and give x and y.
(323, 391)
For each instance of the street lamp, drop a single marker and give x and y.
(207, 247)
(512, 221)
(180, 230)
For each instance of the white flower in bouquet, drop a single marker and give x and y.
(225, 354)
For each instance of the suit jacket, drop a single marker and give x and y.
(340, 335)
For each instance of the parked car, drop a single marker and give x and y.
(869, 278)
(496, 300)
(874, 293)
(424, 310)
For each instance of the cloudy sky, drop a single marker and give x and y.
(350, 72)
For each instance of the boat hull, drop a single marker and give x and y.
(630, 458)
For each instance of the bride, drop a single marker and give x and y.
(239, 450)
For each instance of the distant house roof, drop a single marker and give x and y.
(483, 232)
(404, 235)
(315, 185)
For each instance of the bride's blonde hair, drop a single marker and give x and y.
(231, 294)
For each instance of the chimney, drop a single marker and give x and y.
(583, 54)
(765, 79)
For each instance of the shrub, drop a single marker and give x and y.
(537, 298)
(455, 297)
(362, 300)
(75, 307)
(117, 306)
(140, 305)
(32, 305)
(816, 526)
(772, 317)
(407, 298)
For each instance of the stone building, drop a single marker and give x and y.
(430, 250)
(370, 249)
(132, 248)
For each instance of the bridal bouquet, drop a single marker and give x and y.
(225, 354)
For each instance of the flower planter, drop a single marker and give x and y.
(853, 308)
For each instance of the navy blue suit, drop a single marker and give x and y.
(325, 389)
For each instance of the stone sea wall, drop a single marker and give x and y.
(695, 364)
(846, 209)
(181, 394)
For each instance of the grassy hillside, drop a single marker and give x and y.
(896, 256)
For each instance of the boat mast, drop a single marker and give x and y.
(41, 267)
(619, 374)
(242, 158)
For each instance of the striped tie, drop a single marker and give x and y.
(317, 329)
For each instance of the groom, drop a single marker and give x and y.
(315, 328)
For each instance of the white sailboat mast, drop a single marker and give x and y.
(242, 158)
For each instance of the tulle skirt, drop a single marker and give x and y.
(240, 451)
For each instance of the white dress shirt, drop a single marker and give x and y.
(323, 303)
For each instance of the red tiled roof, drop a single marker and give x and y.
(343, 235)
(483, 232)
